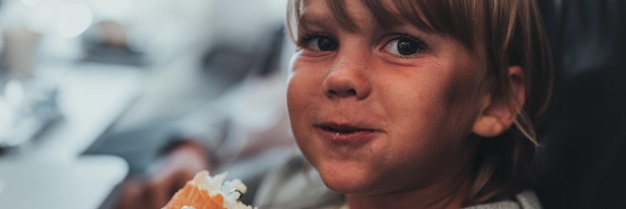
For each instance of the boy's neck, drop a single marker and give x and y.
(450, 195)
(451, 190)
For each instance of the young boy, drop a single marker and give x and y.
(414, 104)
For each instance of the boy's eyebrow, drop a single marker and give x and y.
(310, 18)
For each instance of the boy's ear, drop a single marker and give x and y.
(496, 115)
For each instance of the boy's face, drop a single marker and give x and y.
(382, 110)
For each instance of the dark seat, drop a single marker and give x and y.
(582, 159)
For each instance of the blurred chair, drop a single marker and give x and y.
(141, 145)
(107, 42)
(582, 158)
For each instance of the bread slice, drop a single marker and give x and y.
(206, 192)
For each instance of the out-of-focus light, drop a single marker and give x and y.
(31, 2)
(113, 8)
(39, 19)
(7, 113)
(74, 20)
(14, 92)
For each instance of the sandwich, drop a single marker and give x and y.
(206, 192)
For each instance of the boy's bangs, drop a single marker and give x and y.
(455, 18)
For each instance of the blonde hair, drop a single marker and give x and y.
(511, 33)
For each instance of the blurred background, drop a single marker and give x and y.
(92, 90)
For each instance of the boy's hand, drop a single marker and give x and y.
(164, 178)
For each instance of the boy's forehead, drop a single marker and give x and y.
(314, 12)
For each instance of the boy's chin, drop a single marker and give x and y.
(343, 187)
(346, 183)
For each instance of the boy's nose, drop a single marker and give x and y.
(347, 79)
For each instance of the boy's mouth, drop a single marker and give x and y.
(340, 130)
(346, 133)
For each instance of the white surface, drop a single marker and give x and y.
(83, 185)
(49, 172)
(91, 97)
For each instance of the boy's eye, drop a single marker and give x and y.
(405, 46)
(321, 43)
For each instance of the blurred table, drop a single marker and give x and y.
(83, 184)
(49, 172)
